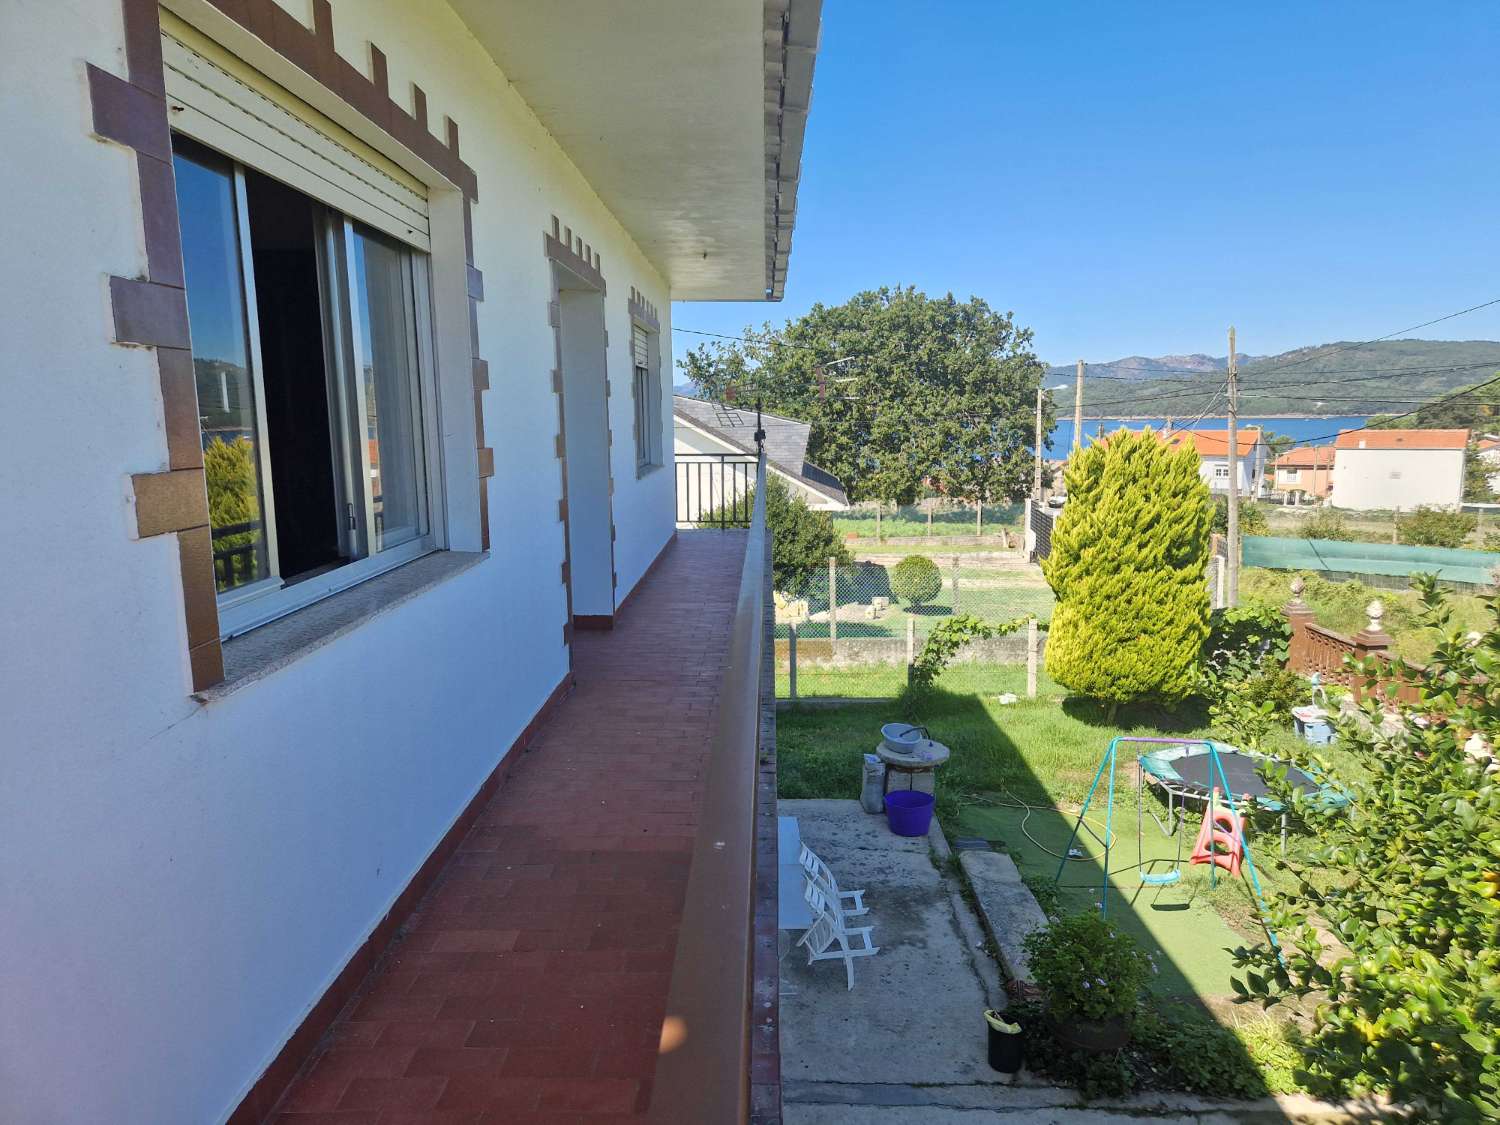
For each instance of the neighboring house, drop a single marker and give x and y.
(1488, 448)
(1304, 475)
(1399, 469)
(424, 256)
(1212, 447)
(714, 446)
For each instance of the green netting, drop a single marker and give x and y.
(1392, 559)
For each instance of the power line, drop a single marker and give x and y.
(1398, 417)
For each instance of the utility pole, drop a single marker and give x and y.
(1036, 476)
(1078, 409)
(1232, 593)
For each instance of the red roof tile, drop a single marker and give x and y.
(1403, 439)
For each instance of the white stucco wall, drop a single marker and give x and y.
(1366, 479)
(181, 881)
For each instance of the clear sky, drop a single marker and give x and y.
(1132, 177)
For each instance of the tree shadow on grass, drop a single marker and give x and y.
(1181, 718)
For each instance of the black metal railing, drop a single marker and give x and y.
(715, 489)
(703, 1070)
(236, 563)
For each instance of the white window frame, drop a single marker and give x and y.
(270, 598)
(646, 397)
(1221, 471)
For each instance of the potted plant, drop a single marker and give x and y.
(1091, 977)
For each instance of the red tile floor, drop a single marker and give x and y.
(531, 982)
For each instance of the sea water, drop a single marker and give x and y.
(1304, 431)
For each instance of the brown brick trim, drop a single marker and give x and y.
(149, 314)
(152, 311)
(570, 250)
(307, 1042)
(593, 622)
(643, 310)
(172, 501)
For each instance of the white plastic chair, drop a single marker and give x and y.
(828, 929)
(821, 875)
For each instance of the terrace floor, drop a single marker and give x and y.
(531, 982)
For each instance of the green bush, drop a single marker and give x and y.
(1127, 562)
(1250, 632)
(1390, 923)
(1252, 519)
(916, 580)
(802, 540)
(1326, 524)
(1086, 968)
(1435, 527)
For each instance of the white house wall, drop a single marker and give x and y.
(1385, 479)
(184, 880)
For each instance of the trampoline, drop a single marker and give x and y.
(1187, 772)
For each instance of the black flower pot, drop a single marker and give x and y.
(1007, 1048)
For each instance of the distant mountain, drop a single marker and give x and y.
(1140, 368)
(1389, 377)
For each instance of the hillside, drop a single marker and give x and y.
(1336, 378)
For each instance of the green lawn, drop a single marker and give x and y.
(1045, 753)
(913, 521)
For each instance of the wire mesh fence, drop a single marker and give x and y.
(936, 518)
(857, 628)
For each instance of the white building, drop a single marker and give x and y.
(1399, 469)
(334, 339)
(715, 454)
(1212, 447)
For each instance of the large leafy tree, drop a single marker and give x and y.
(1127, 567)
(929, 389)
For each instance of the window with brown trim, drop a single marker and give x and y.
(646, 392)
(312, 356)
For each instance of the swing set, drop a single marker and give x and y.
(1221, 843)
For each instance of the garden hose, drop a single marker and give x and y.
(1016, 803)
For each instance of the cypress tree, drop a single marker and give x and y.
(1127, 567)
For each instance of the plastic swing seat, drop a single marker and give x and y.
(1165, 879)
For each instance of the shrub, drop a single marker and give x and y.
(916, 580)
(1326, 524)
(1249, 632)
(944, 641)
(1127, 562)
(1435, 527)
(1086, 968)
(1405, 885)
(802, 540)
(1252, 520)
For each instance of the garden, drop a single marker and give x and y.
(1356, 959)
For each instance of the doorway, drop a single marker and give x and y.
(586, 444)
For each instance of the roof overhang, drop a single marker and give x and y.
(686, 116)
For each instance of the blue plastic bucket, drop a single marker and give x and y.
(908, 812)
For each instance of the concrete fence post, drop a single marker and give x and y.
(955, 584)
(791, 649)
(911, 644)
(1032, 636)
(833, 605)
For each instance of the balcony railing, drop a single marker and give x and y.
(703, 1072)
(715, 489)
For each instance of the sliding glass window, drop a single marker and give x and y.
(311, 348)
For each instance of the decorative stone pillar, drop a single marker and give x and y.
(1299, 617)
(1372, 640)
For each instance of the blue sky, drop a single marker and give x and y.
(1131, 177)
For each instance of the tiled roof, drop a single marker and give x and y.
(1215, 443)
(1307, 457)
(1403, 439)
(786, 439)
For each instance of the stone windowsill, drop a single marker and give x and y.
(271, 647)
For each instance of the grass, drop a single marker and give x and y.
(913, 521)
(1045, 753)
(1340, 606)
(935, 548)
